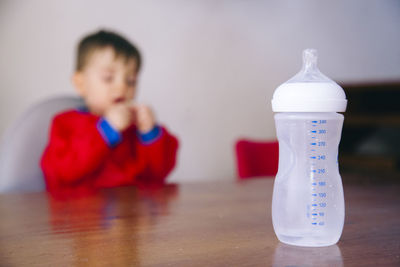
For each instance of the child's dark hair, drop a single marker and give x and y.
(102, 39)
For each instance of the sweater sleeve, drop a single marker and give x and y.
(159, 150)
(76, 148)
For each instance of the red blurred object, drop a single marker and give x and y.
(256, 158)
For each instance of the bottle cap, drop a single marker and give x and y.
(309, 90)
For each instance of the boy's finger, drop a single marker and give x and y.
(133, 108)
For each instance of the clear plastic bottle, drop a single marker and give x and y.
(308, 201)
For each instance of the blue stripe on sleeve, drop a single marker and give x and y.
(109, 134)
(151, 136)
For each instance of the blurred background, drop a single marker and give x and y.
(210, 68)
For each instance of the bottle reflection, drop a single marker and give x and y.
(287, 255)
(106, 228)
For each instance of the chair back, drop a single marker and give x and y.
(256, 158)
(23, 143)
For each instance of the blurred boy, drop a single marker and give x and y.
(110, 142)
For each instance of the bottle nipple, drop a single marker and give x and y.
(309, 90)
(309, 71)
(310, 57)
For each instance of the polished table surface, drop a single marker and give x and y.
(203, 224)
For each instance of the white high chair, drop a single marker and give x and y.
(22, 145)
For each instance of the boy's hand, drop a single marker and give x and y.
(145, 120)
(119, 116)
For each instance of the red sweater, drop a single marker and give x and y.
(84, 153)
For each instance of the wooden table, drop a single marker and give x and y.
(204, 224)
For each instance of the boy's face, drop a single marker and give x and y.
(106, 80)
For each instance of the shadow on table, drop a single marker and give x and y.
(286, 255)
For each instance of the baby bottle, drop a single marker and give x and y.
(308, 202)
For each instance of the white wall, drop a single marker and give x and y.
(210, 67)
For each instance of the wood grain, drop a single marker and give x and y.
(204, 224)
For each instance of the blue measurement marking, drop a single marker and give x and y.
(314, 131)
(312, 149)
(314, 121)
(314, 205)
(315, 214)
(313, 171)
(313, 157)
(313, 144)
(314, 184)
(314, 223)
(314, 195)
